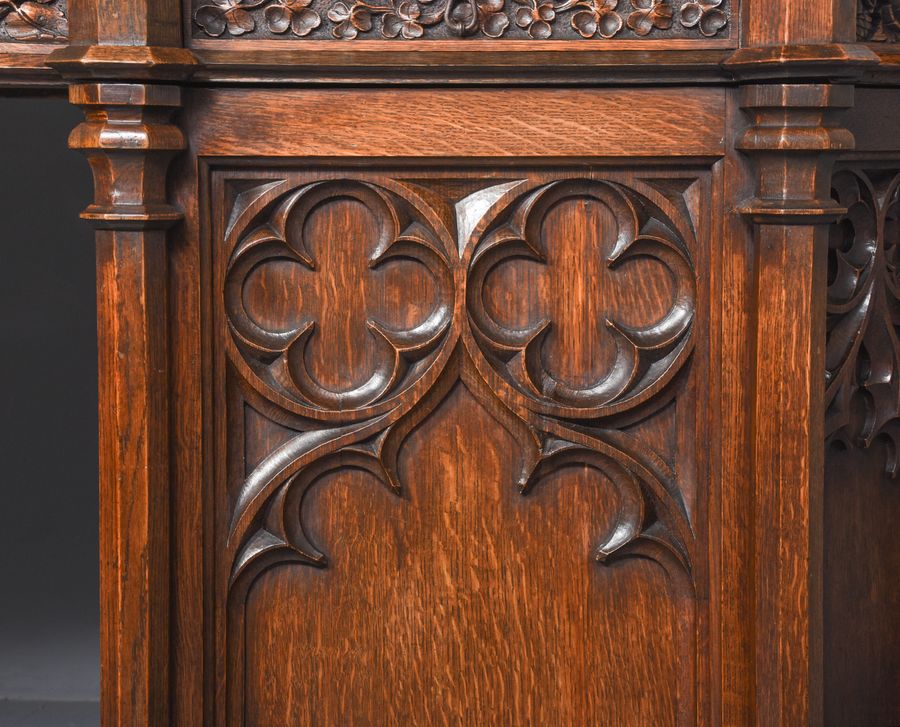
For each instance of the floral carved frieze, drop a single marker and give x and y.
(863, 344)
(447, 19)
(468, 294)
(33, 20)
(878, 20)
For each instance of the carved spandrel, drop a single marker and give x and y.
(461, 579)
(447, 19)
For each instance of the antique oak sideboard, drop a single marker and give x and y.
(491, 362)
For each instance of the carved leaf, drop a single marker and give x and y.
(36, 20)
(444, 19)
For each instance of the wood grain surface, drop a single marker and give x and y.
(465, 123)
(518, 381)
(478, 547)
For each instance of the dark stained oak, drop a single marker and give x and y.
(471, 363)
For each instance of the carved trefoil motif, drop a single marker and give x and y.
(863, 346)
(485, 19)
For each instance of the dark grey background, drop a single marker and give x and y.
(48, 440)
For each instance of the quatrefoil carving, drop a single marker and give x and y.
(644, 232)
(278, 352)
(646, 356)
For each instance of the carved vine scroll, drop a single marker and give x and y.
(487, 19)
(863, 346)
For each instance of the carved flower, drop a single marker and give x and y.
(350, 19)
(228, 15)
(34, 20)
(650, 14)
(536, 16)
(493, 20)
(403, 21)
(598, 18)
(487, 15)
(705, 15)
(293, 15)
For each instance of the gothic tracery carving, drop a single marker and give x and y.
(363, 427)
(863, 346)
(878, 20)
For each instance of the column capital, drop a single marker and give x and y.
(129, 140)
(792, 136)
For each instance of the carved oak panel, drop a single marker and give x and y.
(447, 19)
(861, 492)
(448, 397)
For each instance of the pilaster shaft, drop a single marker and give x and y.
(792, 137)
(129, 141)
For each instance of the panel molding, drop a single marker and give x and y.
(366, 431)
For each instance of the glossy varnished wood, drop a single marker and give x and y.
(491, 374)
(126, 137)
(466, 615)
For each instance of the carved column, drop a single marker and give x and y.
(129, 142)
(792, 138)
